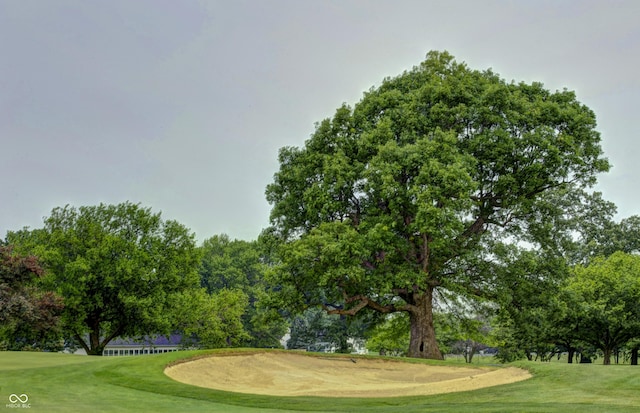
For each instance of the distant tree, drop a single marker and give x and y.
(315, 330)
(584, 230)
(309, 329)
(594, 230)
(549, 306)
(607, 295)
(463, 333)
(634, 348)
(627, 238)
(528, 321)
(610, 236)
(229, 264)
(392, 200)
(117, 267)
(211, 320)
(29, 316)
(562, 321)
(241, 265)
(390, 337)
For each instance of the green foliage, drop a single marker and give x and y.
(240, 266)
(539, 315)
(390, 337)
(592, 229)
(531, 319)
(116, 266)
(229, 264)
(604, 237)
(594, 307)
(211, 320)
(459, 332)
(396, 197)
(506, 337)
(606, 294)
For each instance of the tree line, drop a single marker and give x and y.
(83, 291)
(446, 208)
(95, 273)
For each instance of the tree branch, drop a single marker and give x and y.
(82, 342)
(362, 302)
(111, 336)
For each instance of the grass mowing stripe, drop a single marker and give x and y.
(19, 360)
(80, 388)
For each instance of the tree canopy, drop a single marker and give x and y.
(606, 295)
(211, 320)
(394, 199)
(118, 268)
(236, 265)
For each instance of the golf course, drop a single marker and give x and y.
(202, 381)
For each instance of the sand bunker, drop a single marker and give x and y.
(295, 374)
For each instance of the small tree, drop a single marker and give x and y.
(607, 293)
(29, 316)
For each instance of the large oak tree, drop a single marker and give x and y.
(391, 200)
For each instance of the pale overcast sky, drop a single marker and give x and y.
(182, 105)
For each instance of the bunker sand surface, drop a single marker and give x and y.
(294, 374)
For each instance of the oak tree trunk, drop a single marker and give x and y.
(423, 342)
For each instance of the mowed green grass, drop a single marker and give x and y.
(67, 383)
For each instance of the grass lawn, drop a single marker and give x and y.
(67, 383)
